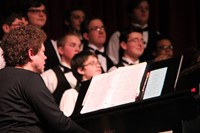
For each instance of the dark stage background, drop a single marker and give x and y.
(177, 18)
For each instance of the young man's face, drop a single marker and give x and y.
(134, 47)
(141, 13)
(91, 67)
(164, 47)
(37, 16)
(71, 47)
(76, 18)
(15, 24)
(96, 33)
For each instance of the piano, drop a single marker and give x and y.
(154, 115)
(147, 116)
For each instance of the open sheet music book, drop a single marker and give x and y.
(114, 88)
(128, 84)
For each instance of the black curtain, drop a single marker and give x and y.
(176, 18)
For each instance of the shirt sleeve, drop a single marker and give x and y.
(113, 47)
(68, 101)
(43, 104)
(50, 79)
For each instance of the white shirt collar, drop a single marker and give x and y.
(65, 64)
(95, 48)
(137, 25)
(130, 61)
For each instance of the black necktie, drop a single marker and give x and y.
(66, 69)
(99, 53)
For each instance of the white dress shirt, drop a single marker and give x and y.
(51, 80)
(68, 101)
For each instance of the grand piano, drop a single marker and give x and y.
(164, 113)
(147, 116)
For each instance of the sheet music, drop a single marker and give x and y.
(97, 91)
(114, 88)
(126, 85)
(155, 83)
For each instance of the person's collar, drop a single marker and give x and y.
(65, 64)
(95, 48)
(128, 61)
(142, 27)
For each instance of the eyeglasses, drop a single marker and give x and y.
(97, 29)
(93, 63)
(36, 11)
(136, 40)
(165, 47)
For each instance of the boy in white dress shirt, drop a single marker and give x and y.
(138, 13)
(60, 78)
(132, 45)
(94, 33)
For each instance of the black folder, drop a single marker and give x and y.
(173, 66)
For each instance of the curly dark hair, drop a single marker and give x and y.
(17, 43)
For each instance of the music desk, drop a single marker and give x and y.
(146, 116)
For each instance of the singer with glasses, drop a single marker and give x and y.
(84, 66)
(37, 16)
(164, 49)
(132, 46)
(94, 33)
(138, 12)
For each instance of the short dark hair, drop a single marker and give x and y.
(68, 12)
(161, 37)
(34, 3)
(85, 24)
(61, 40)
(126, 31)
(9, 17)
(17, 43)
(132, 4)
(78, 61)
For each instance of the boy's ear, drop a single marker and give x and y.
(60, 50)
(6, 28)
(123, 45)
(80, 70)
(85, 36)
